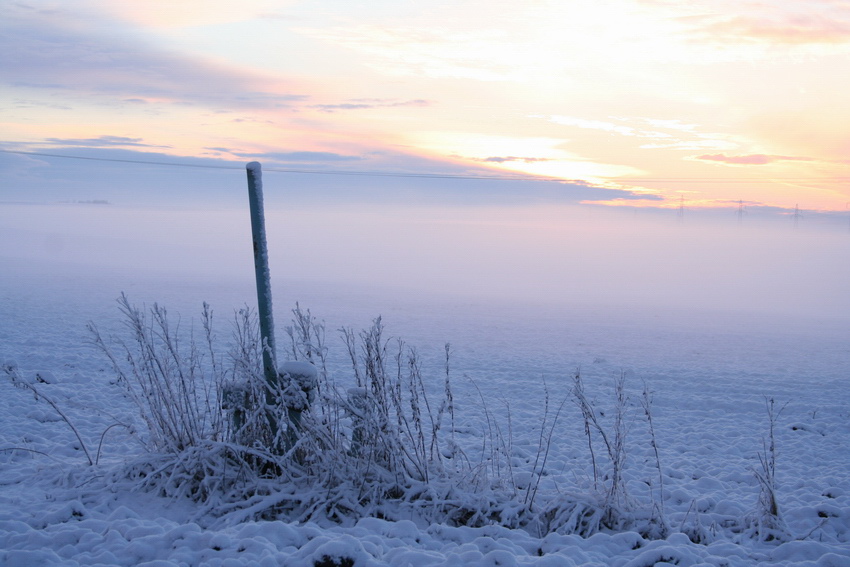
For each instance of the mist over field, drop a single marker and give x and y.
(544, 255)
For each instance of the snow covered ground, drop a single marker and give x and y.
(710, 363)
(709, 372)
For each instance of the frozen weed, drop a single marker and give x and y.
(609, 484)
(175, 389)
(766, 522)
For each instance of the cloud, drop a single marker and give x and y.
(168, 14)
(633, 200)
(622, 127)
(751, 159)
(678, 135)
(249, 120)
(792, 29)
(302, 157)
(68, 52)
(101, 142)
(365, 104)
(505, 159)
(26, 103)
(692, 145)
(593, 125)
(428, 51)
(667, 124)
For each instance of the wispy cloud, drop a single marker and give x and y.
(637, 127)
(22, 103)
(507, 159)
(368, 103)
(598, 125)
(102, 142)
(792, 29)
(436, 52)
(62, 51)
(678, 135)
(301, 157)
(169, 15)
(692, 145)
(751, 159)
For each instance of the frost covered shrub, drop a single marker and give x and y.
(392, 419)
(174, 384)
(301, 447)
(208, 426)
(378, 437)
(375, 440)
(372, 445)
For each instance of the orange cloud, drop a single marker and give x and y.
(752, 159)
(792, 30)
(165, 14)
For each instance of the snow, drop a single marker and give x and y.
(298, 367)
(709, 374)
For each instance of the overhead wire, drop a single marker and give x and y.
(367, 173)
(298, 170)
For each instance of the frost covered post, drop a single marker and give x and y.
(264, 290)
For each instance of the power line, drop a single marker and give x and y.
(436, 175)
(118, 160)
(421, 175)
(294, 170)
(727, 179)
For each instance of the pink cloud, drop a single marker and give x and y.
(752, 159)
(791, 30)
(369, 103)
(504, 159)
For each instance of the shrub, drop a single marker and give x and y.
(176, 387)
(383, 444)
(218, 432)
(305, 448)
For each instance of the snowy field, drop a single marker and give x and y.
(710, 373)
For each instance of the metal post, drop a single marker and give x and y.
(264, 292)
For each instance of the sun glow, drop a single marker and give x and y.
(538, 156)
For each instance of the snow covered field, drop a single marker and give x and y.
(709, 372)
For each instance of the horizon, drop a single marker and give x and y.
(560, 255)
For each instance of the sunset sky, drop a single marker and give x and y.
(708, 103)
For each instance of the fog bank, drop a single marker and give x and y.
(545, 255)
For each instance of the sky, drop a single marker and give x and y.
(540, 149)
(664, 104)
